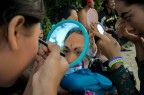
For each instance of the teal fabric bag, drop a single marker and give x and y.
(83, 80)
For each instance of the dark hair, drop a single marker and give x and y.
(131, 2)
(104, 3)
(32, 10)
(84, 3)
(65, 11)
(73, 30)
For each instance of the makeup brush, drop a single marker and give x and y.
(45, 44)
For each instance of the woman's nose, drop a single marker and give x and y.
(71, 57)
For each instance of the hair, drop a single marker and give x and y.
(32, 10)
(73, 30)
(65, 11)
(84, 3)
(104, 3)
(131, 2)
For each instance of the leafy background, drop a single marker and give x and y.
(51, 7)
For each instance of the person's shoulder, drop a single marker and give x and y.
(81, 12)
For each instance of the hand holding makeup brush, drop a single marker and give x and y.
(51, 68)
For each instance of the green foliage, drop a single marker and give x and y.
(46, 26)
(98, 4)
(52, 6)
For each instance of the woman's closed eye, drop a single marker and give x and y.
(128, 18)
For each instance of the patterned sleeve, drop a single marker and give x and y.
(121, 80)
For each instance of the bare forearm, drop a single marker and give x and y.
(38, 89)
(140, 62)
(139, 51)
(46, 86)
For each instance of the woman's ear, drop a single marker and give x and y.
(15, 27)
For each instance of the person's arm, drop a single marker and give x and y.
(34, 88)
(139, 51)
(92, 50)
(140, 62)
(93, 47)
(51, 68)
(123, 30)
(122, 81)
(120, 76)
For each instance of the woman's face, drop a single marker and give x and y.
(14, 60)
(91, 5)
(73, 15)
(73, 46)
(111, 4)
(133, 15)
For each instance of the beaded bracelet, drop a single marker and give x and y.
(115, 60)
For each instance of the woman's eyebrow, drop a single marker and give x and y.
(78, 48)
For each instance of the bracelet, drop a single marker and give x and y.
(115, 60)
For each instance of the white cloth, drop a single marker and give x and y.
(90, 53)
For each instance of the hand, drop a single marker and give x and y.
(125, 31)
(91, 35)
(108, 45)
(51, 68)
